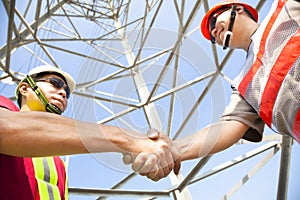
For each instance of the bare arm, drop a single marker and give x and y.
(210, 140)
(42, 134)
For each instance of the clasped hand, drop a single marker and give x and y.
(157, 156)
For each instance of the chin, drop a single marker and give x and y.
(58, 105)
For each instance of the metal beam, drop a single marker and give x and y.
(26, 33)
(9, 34)
(284, 171)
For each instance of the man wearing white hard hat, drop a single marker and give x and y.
(267, 90)
(27, 137)
(47, 74)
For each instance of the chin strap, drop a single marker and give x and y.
(48, 106)
(229, 33)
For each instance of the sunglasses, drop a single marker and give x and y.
(56, 82)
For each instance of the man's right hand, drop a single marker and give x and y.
(155, 163)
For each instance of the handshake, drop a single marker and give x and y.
(155, 156)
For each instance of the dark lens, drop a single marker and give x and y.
(67, 89)
(212, 27)
(57, 82)
(213, 22)
(60, 84)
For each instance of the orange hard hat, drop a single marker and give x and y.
(220, 6)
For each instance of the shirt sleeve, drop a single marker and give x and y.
(8, 104)
(239, 110)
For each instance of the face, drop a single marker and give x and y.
(222, 20)
(55, 95)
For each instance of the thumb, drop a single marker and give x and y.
(127, 159)
(153, 134)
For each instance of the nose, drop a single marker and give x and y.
(62, 92)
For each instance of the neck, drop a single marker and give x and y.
(26, 107)
(248, 34)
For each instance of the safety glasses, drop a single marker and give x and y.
(56, 82)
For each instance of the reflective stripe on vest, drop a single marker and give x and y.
(46, 177)
(270, 75)
(283, 64)
(249, 76)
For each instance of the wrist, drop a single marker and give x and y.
(127, 141)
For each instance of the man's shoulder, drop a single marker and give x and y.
(8, 104)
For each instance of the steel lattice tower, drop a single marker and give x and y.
(137, 64)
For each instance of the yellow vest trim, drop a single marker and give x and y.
(46, 177)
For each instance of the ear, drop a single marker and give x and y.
(23, 88)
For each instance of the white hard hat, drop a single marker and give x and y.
(50, 69)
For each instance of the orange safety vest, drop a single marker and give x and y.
(272, 83)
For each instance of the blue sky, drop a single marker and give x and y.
(105, 170)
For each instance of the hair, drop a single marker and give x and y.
(36, 77)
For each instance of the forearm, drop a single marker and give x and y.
(42, 134)
(212, 139)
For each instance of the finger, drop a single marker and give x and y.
(127, 159)
(166, 162)
(163, 166)
(149, 164)
(153, 134)
(157, 175)
(177, 166)
(154, 173)
(139, 161)
(177, 162)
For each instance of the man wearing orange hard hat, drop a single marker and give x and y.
(267, 90)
